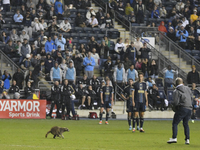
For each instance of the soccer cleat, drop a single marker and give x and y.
(130, 128)
(138, 128)
(187, 142)
(133, 130)
(172, 140)
(106, 122)
(141, 130)
(100, 122)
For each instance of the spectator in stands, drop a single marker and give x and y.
(185, 22)
(26, 63)
(33, 15)
(29, 78)
(23, 10)
(131, 73)
(163, 12)
(14, 88)
(65, 26)
(100, 17)
(18, 18)
(28, 89)
(58, 9)
(119, 75)
(138, 44)
(36, 72)
(56, 73)
(4, 95)
(150, 82)
(145, 51)
(53, 28)
(24, 35)
(44, 24)
(104, 50)
(60, 41)
(81, 93)
(5, 37)
(43, 4)
(31, 4)
(193, 17)
(36, 25)
(150, 5)
(107, 41)
(2, 21)
(10, 49)
(155, 13)
(25, 49)
(169, 76)
(49, 62)
(131, 17)
(126, 44)
(93, 22)
(50, 13)
(85, 81)
(182, 34)
(86, 4)
(6, 77)
(1, 87)
(78, 61)
(179, 6)
(6, 5)
(27, 24)
(90, 13)
(186, 12)
(128, 9)
(95, 56)
(13, 36)
(193, 76)
(127, 63)
(43, 41)
(172, 13)
(191, 38)
(89, 64)
(94, 82)
(153, 97)
(63, 65)
(145, 67)
(171, 34)
(108, 67)
(162, 27)
(93, 44)
(66, 12)
(49, 45)
(120, 9)
(153, 69)
(197, 42)
(140, 10)
(131, 53)
(79, 21)
(119, 48)
(90, 96)
(70, 73)
(168, 25)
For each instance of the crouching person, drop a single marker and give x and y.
(66, 91)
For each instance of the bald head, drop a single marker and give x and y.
(179, 81)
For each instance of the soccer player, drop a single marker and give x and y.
(106, 100)
(140, 100)
(128, 96)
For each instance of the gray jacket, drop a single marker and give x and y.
(25, 49)
(182, 96)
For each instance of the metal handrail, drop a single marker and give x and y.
(117, 93)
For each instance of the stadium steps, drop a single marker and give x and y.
(174, 58)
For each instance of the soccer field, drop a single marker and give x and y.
(89, 135)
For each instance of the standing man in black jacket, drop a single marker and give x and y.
(36, 71)
(193, 76)
(55, 97)
(182, 105)
(19, 78)
(66, 91)
(108, 65)
(139, 11)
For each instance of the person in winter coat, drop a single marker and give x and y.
(119, 49)
(90, 13)
(168, 25)
(28, 89)
(25, 49)
(5, 37)
(155, 13)
(145, 51)
(89, 64)
(6, 77)
(153, 70)
(138, 64)
(65, 26)
(14, 88)
(49, 63)
(78, 60)
(19, 78)
(13, 36)
(58, 9)
(23, 36)
(27, 24)
(162, 27)
(145, 68)
(171, 34)
(36, 25)
(138, 44)
(60, 41)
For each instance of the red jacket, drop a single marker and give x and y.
(162, 27)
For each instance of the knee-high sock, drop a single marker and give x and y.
(137, 120)
(107, 114)
(134, 120)
(129, 120)
(141, 122)
(100, 116)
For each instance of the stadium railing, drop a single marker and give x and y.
(118, 90)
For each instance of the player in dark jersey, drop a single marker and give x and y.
(140, 100)
(129, 104)
(106, 100)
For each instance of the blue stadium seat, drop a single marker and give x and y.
(10, 14)
(83, 41)
(188, 51)
(82, 11)
(169, 95)
(73, 11)
(159, 20)
(47, 34)
(135, 24)
(88, 30)
(113, 33)
(100, 36)
(92, 34)
(75, 36)
(159, 82)
(96, 30)
(197, 58)
(15, 26)
(6, 27)
(152, 19)
(78, 30)
(84, 36)
(162, 93)
(195, 53)
(9, 20)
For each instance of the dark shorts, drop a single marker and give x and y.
(129, 109)
(139, 107)
(107, 104)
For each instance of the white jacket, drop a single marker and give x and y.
(65, 26)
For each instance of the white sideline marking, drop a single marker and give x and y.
(49, 147)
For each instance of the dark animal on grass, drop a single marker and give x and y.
(57, 131)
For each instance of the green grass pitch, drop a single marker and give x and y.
(89, 135)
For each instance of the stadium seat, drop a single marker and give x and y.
(94, 35)
(14, 26)
(159, 20)
(159, 82)
(82, 11)
(197, 58)
(113, 33)
(96, 30)
(103, 31)
(78, 30)
(152, 19)
(66, 35)
(10, 14)
(188, 51)
(169, 95)
(88, 30)
(78, 78)
(73, 11)
(84, 36)
(162, 93)
(195, 53)
(9, 20)
(83, 41)
(135, 24)
(75, 36)
(6, 27)
(100, 36)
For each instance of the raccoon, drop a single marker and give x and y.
(57, 131)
